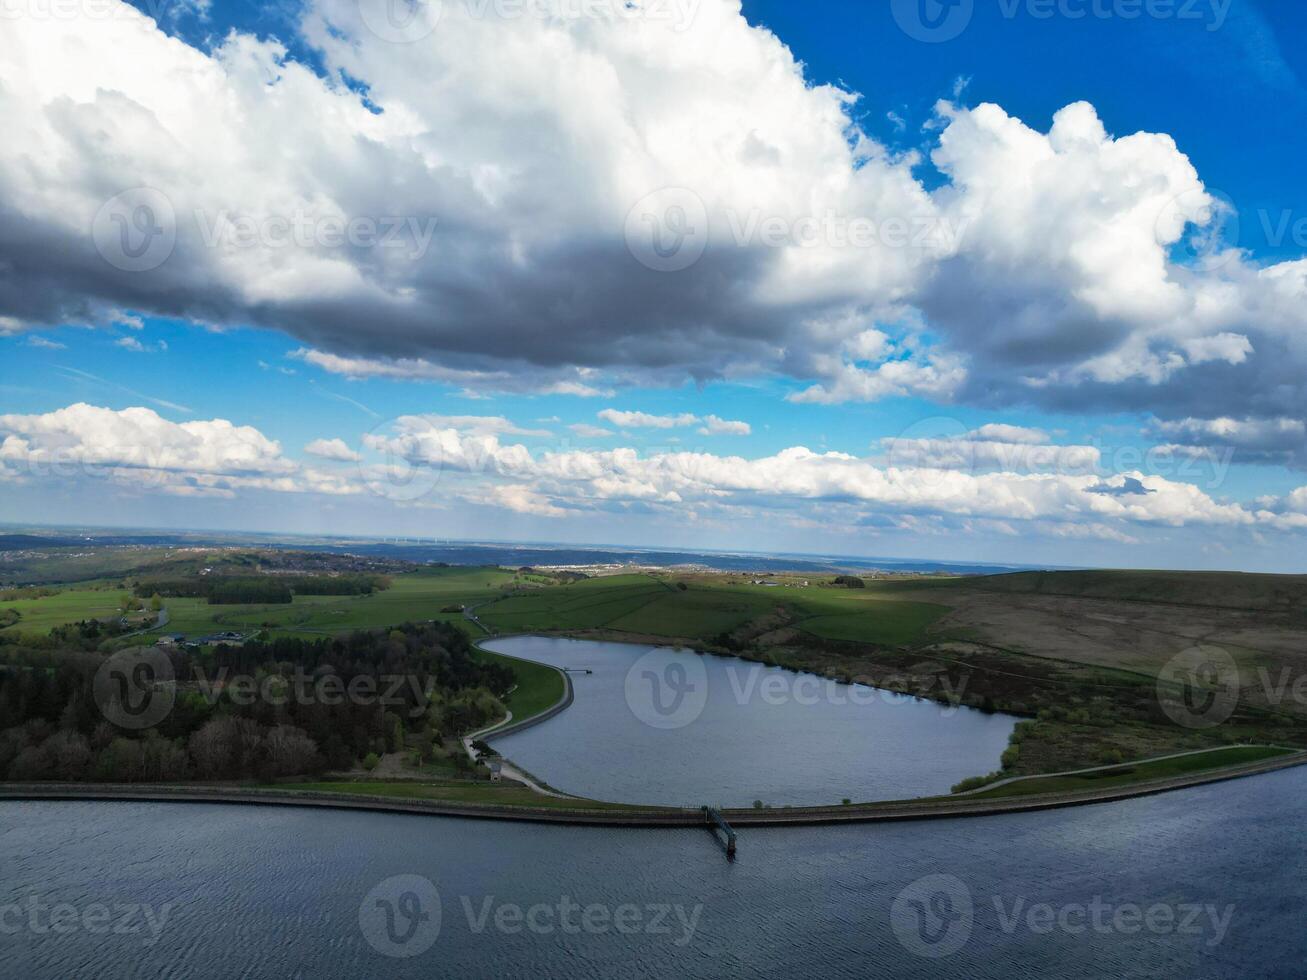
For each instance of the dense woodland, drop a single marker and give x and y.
(274, 723)
(235, 590)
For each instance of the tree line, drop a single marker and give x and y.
(426, 689)
(231, 590)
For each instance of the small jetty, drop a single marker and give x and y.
(716, 822)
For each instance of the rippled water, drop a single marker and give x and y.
(276, 892)
(741, 732)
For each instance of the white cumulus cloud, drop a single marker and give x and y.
(334, 449)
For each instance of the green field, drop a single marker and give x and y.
(641, 604)
(590, 604)
(1138, 772)
(631, 604)
(418, 597)
(635, 604)
(864, 615)
(44, 614)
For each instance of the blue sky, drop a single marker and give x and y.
(947, 398)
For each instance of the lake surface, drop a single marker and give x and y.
(655, 725)
(282, 892)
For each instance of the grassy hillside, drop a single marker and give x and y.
(417, 597)
(886, 621)
(71, 606)
(630, 604)
(1227, 590)
(712, 605)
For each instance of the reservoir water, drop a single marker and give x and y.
(1208, 882)
(656, 725)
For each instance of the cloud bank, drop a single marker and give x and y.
(494, 214)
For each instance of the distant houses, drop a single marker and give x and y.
(228, 637)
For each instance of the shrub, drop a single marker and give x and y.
(1022, 729)
(975, 782)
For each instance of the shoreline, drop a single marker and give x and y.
(954, 805)
(508, 726)
(636, 817)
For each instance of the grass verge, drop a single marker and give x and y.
(497, 794)
(1135, 772)
(539, 686)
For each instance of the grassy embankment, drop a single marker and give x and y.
(1126, 775)
(497, 794)
(1113, 778)
(539, 687)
